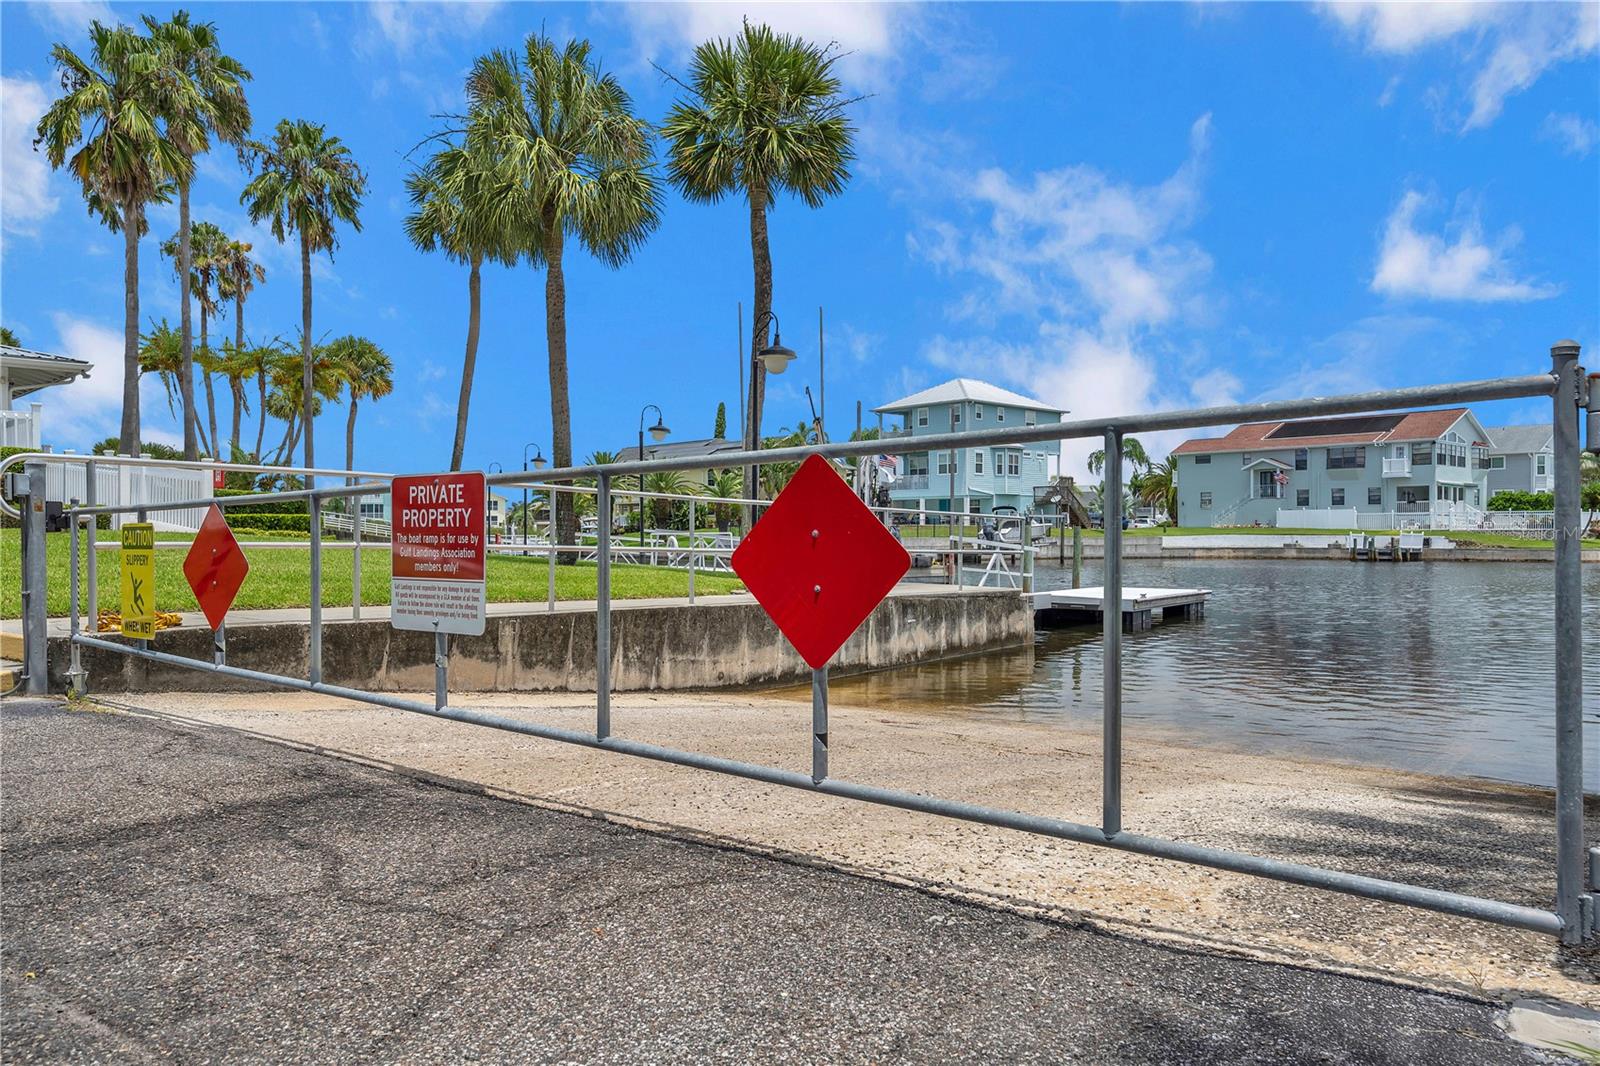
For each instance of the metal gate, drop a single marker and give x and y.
(1574, 915)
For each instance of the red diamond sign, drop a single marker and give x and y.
(819, 561)
(215, 567)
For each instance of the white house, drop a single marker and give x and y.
(22, 372)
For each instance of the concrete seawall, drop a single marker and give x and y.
(1155, 548)
(654, 647)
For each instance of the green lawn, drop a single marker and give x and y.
(280, 577)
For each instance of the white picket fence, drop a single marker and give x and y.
(133, 484)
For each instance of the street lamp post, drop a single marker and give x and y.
(538, 464)
(773, 359)
(658, 432)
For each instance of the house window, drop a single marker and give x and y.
(999, 414)
(1030, 418)
(711, 477)
(955, 414)
(1540, 462)
(1338, 497)
(944, 462)
(922, 416)
(977, 413)
(916, 465)
(1013, 463)
(977, 461)
(1202, 460)
(1422, 454)
(1375, 495)
(1267, 487)
(1205, 499)
(1302, 456)
(1497, 462)
(1346, 458)
(1302, 497)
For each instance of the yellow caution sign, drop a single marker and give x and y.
(139, 580)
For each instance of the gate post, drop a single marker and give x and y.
(35, 609)
(1569, 646)
(1111, 642)
(602, 607)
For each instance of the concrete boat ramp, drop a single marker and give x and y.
(1140, 606)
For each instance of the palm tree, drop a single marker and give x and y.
(366, 371)
(265, 362)
(571, 161)
(290, 403)
(8, 338)
(1132, 452)
(728, 484)
(763, 116)
(205, 247)
(115, 106)
(237, 276)
(1158, 486)
(208, 100)
(308, 183)
(453, 197)
(161, 354)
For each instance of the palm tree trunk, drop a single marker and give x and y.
(128, 438)
(305, 343)
(261, 427)
(211, 394)
(350, 440)
(761, 259)
(555, 324)
(235, 382)
(469, 362)
(191, 449)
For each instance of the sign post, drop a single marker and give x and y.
(819, 562)
(138, 580)
(437, 564)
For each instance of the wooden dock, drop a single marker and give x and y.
(1139, 606)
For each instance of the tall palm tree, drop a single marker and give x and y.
(237, 277)
(288, 400)
(115, 106)
(208, 100)
(265, 362)
(308, 183)
(367, 373)
(205, 247)
(1132, 452)
(1158, 487)
(572, 162)
(161, 354)
(452, 195)
(763, 115)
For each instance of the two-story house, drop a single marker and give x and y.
(1521, 459)
(1411, 462)
(969, 480)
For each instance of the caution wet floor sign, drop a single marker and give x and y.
(138, 580)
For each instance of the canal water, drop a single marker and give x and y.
(1441, 667)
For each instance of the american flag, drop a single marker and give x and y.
(887, 462)
(1281, 478)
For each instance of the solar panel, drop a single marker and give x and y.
(1333, 427)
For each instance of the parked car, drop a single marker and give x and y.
(1143, 523)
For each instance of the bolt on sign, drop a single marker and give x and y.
(139, 580)
(215, 567)
(819, 561)
(437, 556)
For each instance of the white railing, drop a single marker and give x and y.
(133, 485)
(910, 483)
(20, 429)
(339, 522)
(1397, 467)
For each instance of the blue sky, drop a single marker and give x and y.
(1116, 207)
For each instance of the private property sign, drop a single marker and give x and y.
(437, 561)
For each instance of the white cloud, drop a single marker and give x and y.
(667, 33)
(62, 16)
(402, 28)
(88, 410)
(1428, 265)
(25, 195)
(1576, 135)
(1504, 48)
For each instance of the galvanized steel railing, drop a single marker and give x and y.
(1573, 916)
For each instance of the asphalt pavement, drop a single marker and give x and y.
(198, 895)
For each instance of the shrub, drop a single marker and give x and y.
(269, 523)
(267, 507)
(1518, 500)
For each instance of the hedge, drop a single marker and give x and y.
(269, 507)
(1518, 500)
(269, 523)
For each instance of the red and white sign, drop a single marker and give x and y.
(437, 560)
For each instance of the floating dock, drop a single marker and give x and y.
(1139, 606)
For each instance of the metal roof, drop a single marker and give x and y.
(957, 389)
(672, 449)
(29, 371)
(1520, 440)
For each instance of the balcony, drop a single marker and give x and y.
(890, 432)
(20, 429)
(911, 483)
(1397, 467)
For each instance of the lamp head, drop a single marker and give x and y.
(538, 461)
(659, 431)
(775, 357)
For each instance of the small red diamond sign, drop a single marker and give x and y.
(819, 561)
(215, 566)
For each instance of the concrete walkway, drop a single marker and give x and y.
(192, 894)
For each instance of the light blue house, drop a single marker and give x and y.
(1522, 459)
(968, 480)
(1393, 470)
